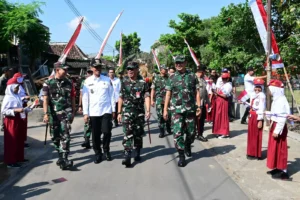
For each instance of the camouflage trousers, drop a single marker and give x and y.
(87, 130)
(183, 123)
(60, 129)
(133, 128)
(162, 123)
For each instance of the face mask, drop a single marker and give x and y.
(20, 79)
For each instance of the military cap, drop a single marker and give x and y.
(179, 59)
(61, 65)
(5, 69)
(96, 63)
(132, 65)
(164, 67)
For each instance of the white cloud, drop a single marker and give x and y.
(74, 22)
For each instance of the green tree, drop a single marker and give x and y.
(130, 45)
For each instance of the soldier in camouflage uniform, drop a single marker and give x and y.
(158, 89)
(134, 93)
(59, 108)
(87, 130)
(183, 91)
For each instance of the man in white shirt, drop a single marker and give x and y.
(249, 87)
(99, 105)
(116, 83)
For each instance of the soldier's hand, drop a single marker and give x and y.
(46, 119)
(152, 103)
(119, 118)
(166, 115)
(198, 112)
(148, 114)
(86, 119)
(80, 110)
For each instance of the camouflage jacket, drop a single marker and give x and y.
(183, 88)
(159, 85)
(60, 93)
(133, 94)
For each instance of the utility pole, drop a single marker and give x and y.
(269, 46)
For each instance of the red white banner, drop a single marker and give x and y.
(260, 17)
(107, 36)
(192, 53)
(243, 96)
(120, 53)
(171, 54)
(156, 59)
(71, 43)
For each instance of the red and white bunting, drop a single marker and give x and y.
(71, 43)
(260, 17)
(107, 36)
(192, 53)
(120, 53)
(156, 59)
(243, 96)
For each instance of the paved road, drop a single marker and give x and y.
(155, 177)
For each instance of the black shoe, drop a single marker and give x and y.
(26, 146)
(60, 159)
(23, 161)
(161, 132)
(86, 144)
(108, 156)
(274, 171)
(201, 138)
(98, 159)
(251, 157)
(138, 155)
(188, 152)
(282, 175)
(169, 130)
(66, 164)
(231, 120)
(181, 162)
(2, 129)
(16, 165)
(127, 159)
(243, 122)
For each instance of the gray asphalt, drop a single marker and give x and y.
(155, 177)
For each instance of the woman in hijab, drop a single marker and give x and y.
(277, 146)
(14, 115)
(256, 118)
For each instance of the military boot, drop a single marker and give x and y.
(86, 144)
(188, 151)
(169, 130)
(60, 159)
(66, 164)
(161, 132)
(127, 158)
(138, 154)
(108, 156)
(181, 162)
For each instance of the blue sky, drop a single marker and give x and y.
(148, 18)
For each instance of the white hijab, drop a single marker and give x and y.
(276, 92)
(11, 100)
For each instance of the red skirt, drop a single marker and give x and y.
(277, 149)
(210, 115)
(13, 139)
(221, 119)
(254, 142)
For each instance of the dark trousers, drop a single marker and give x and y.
(116, 116)
(246, 112)
(101, 125)
(200, 121)
(230, 108)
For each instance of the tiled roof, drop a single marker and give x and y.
(57, 48)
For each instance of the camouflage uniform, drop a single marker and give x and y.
(159, 84)
(60, 92)
(183, 101)
(87, 126)
(133, 94)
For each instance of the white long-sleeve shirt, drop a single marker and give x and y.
(280, 106)
(225, 89)
(116, 83)
(258, 103)
(97, 96)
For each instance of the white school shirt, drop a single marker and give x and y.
(225, 89)
(248, 83)
(280, 106)
(97, 96)
(116, 83)
(258, 102)
(209, 88)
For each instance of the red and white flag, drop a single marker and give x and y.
(156, 59)
(71, 43)
(260, 17)
(107, 35)
(243, 97)
(120, 53)
(192, 53)
(171, 54)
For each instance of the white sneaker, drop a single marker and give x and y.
(223, 137)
